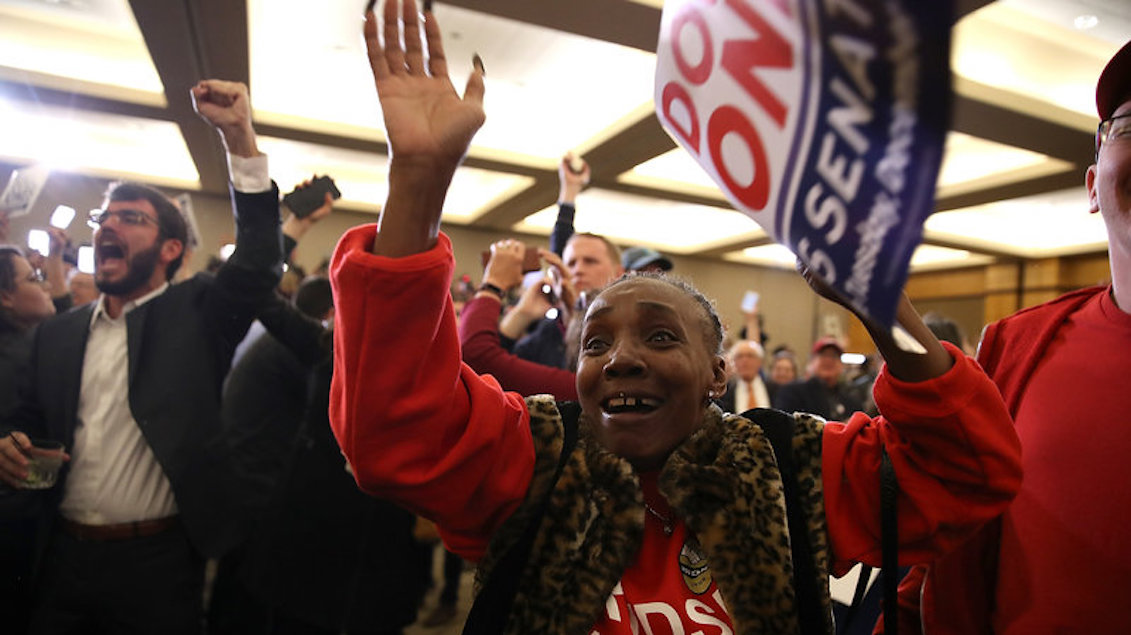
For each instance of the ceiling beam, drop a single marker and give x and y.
(78, 101)
(1029, 187)
(189, 41)
(617, 21)
(541, 194)
(996, 123)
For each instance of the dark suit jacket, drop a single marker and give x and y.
(813, 397)
(180, 346)
(726, 402)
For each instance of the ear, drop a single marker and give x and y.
(171, 249)
(6, 300)
(1093, 195)
(719, 375)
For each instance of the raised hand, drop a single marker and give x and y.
(504, 269)
(559, 279)
(571, 182)
(227, 106)
(428, 124)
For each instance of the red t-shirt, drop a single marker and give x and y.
(1065, 561)
(668, 589)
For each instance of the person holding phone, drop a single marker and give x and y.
(480, 331)
(612, 493)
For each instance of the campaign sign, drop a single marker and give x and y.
(823, 120)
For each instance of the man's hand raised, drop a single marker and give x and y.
(227, 106)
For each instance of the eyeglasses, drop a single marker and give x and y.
(35, 277)
(125, 216)
(1113, 130)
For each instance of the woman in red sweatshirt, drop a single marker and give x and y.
(662, 512)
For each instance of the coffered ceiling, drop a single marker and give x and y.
(101, 87)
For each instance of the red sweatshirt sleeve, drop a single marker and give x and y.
(956, 457)
(418, 426)
(479, 337)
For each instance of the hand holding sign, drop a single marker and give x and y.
(822, 121)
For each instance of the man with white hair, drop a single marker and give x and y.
(746, 389)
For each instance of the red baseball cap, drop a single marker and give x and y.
(1114, 86)
(827, 342)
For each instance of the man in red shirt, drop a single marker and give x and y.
(1057, 561)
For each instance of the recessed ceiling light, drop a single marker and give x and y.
(1085, 21)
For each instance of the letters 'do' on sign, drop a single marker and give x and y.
(823, 120)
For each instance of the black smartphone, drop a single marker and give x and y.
(302, 201)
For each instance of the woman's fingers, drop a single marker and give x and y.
(437, 62)
(414, 54)
(394, 56)
(374, 49)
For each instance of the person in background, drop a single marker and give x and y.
(644, 259)
(24, 303)
(1058, 560)
(947, 330)
(479, 325)
(591, 261)
(783, 368)
(81, 287)
(746, 388)
(823, 393)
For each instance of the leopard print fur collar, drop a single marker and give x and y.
(723, 481)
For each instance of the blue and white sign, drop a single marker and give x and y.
(823, 120)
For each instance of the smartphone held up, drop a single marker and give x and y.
(304, 201)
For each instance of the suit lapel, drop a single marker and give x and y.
(70, 353)
(135, 328)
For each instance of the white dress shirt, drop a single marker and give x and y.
(114, 476)
(741, 397)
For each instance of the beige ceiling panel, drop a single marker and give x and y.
(669, 226)
(110, 146)
(925, 258)
(547, 91)
(361, 177)
(1042, 226)
(675, 171)
(1007, 55)
(970, 164)
(93, 47)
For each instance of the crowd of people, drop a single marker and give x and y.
(590, 436)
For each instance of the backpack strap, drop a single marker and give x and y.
(889, 541)
(778, 428)
(889, 553)
(492, 606)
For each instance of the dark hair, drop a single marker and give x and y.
(8, 254)
(713, 327)
(613, 250)
(170, 222)
(945, 329)
(314, 297)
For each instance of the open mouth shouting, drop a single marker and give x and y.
(110, 254)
